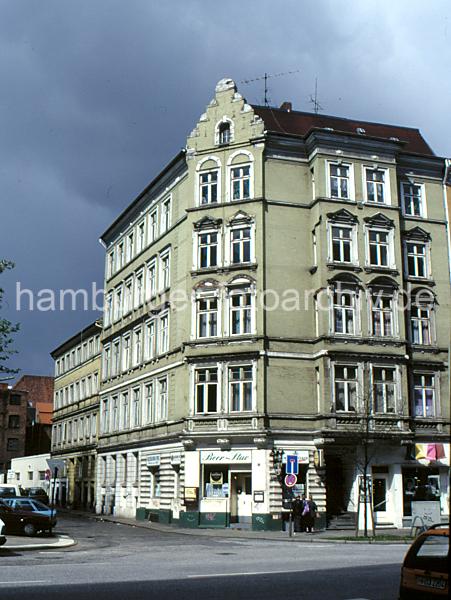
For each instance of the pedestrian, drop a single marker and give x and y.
(296, 509)
(304, 513)
(310, 514)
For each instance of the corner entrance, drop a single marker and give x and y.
(240, 497)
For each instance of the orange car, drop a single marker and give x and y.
(424, 573)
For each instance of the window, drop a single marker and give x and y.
(345, 387)
(14, 422)
(379, 248)
(137, 347)
(162, 405)
(128, 295)
(207, 316)
(376, 185)
(165, 215)
(207, 249)
(424, 394)
(12, 444)
(206, 390)
(413, 199)
(152, 226)
(164, 334)
(421, 324)
(151, 279)
(130, 249)
(106, 361)
(342, 242)
(139, 289)
(224, 133)
(339, 178)
(345, 311)
(208, 187)
(120, 256)
(125, 411)
(149, 401)
(165, 264)
(149, 339)
(116, 357)
(141, 237)
(105, 418)
(126, 353)
(118, 303)
(241, 312)
(384, 389)
(240, 383)
(240, 182)
(240, 245)
(15, 399)
(136, 408)
(110, 263)
(417, 259)
(114, 413)
(382, 324)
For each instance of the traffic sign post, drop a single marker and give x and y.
(292, 466)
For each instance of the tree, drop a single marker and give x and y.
(7, 329)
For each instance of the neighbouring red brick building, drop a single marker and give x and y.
(13, 422)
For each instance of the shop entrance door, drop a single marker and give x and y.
(241, 497)
(380, 498)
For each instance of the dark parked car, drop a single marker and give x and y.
(2, 537)
(38, 493)
(22, 521)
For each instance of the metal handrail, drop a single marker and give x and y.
(422, 528)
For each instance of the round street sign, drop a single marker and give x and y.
(290, 480)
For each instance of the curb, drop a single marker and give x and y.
(63, 542)
(217, 534)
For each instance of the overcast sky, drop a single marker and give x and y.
(97, 95)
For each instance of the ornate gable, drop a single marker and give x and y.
(417, 234)
(207, 223)
(379, 220)
(342, 216)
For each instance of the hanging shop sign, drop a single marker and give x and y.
(176, 458)
(190, 494)
(217, 457)
(153, 460)
(302, 455)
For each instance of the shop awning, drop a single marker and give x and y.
(432, 453)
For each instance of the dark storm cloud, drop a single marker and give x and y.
(96, 96)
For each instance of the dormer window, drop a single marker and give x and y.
(224, 133)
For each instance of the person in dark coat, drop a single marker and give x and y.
(310, 514)
(296, 509)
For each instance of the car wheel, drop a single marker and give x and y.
(29, 529)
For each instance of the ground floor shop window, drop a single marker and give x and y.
(419, 483)
(216, 481)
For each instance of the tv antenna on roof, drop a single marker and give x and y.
(267, 76)
(314, 99)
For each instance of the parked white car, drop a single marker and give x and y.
(10, 490)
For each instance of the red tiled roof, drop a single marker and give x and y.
(301, 123)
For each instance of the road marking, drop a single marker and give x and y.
(237, 574)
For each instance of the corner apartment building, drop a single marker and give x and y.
(280, 288)
(75, 416)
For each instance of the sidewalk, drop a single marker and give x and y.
(16, 542)
(329, 536)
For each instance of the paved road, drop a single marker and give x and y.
(125, 563)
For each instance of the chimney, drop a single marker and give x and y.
(286, 106)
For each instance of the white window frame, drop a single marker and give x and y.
(106, 360)
(248, 161)
(151, 282)
(353, 242)
(197, 249)
(126, 352)
(207, 295)
(138, 290)
(350, 178)
(423, 387)
(120, 255)
(427, 258)
(420, 319)
(205, 386)
(111, 263)
(392, 297)
(240, 291)
(163, 284)
(231, 382)
(423, 206)
(224, 121)
(118, 301)
(130, 245)
(140, 236)
(128, 295)
(354, 307)
(390, 247)
(385, 383)
(150, 339)
(125, 410)
(166, 214)
(200, 170)
(163, 333)
(152, 226)
(161, 413)
(135, 412)
(385, 185)
(357, 381)
(137, 349)
(116, 357)
(149, 402)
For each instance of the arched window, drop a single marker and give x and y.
(422, 312)
(224, 133)
(207, 310)
(345, 306)
(241, 307)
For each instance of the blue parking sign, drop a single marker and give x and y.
(292, 467)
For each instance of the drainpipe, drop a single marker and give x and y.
(447, 184)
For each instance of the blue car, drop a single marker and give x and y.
(31, 505)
